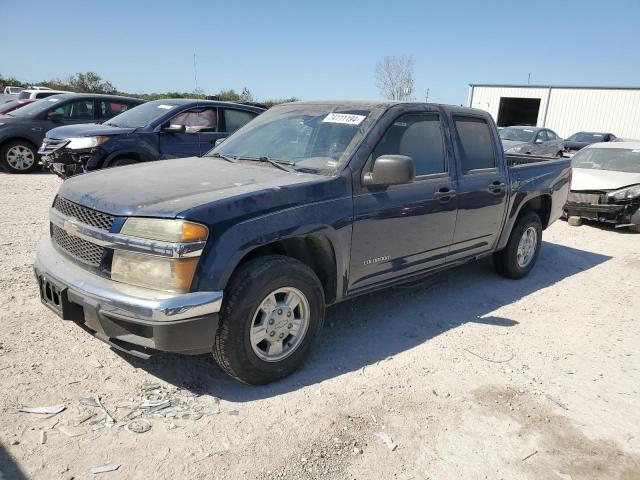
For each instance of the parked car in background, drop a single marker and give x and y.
(39, 93)
(12, 90)
(531, 141)
(157, 130)
(22, 130)
(13, 105)
(606, 184)
(580, 140)
(240, 251)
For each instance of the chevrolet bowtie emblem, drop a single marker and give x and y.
(70, 228)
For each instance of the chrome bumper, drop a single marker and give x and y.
(127, 316)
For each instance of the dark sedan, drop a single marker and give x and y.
(579, 140)
(531, 141)
(22, 131)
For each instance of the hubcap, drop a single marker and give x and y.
(527, 247)
(279, 324)
(20, 158)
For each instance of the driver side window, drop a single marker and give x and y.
(81, 110)
(419, 136)
(197, 120)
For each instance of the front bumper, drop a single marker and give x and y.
(618, 214)
(129, 318)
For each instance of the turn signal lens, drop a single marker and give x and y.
(165, 230)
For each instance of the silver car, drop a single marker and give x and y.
(531, 140)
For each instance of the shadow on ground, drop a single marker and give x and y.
(371, 328)
(9, 470)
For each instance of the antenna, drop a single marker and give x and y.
(529, 79)
(426, 97)
(195, 70)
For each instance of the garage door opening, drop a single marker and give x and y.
(518, 111)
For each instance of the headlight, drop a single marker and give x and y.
(625, 193)
(165, 230)
(79, 143)
(516, 149)
(153, 271)
(160, 273)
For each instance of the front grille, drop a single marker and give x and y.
(83, 214)
(78, 248)
(588, 198)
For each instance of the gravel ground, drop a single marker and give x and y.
(470, 375)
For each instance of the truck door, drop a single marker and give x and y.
(187, 144)
(482, 187)
(403, 229)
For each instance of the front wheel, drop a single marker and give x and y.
(18, 156)
(272, 312)
(523, 248)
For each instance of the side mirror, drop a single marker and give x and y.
(390, 170)
(174, 128)
(219, 141)
(539, 140)
(55, 116)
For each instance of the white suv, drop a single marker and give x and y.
(36, 94)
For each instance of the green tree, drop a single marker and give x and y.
(90, 82)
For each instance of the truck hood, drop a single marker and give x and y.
(86, 130)
(166, 188)
(590, 179)
(507, 144)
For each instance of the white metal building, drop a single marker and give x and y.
(564, 109)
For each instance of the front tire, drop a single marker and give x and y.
(18, 156)
(523, 248)
(272, 312)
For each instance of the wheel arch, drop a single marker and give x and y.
(315, 251)
(137, 155)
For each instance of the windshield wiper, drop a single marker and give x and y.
(281, 164)
(228, 158)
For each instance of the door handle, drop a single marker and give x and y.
(497, 186)
(445, 194)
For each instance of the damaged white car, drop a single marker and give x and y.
(606, 184)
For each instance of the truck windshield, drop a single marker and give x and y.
(142, 115)
(517, 134)
(311, 138)
(616, 159)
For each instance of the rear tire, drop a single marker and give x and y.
(257, 341)
(523, 248)
(18, 156)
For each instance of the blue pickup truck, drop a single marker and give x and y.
(238, 252)
(157, 130)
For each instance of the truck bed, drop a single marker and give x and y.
(514, 159)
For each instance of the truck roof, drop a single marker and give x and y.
(386, 104)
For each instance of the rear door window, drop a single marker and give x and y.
(234, 119)
(419, 136)
(111, 108)
(474, 143)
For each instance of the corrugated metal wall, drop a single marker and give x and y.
(571, 110)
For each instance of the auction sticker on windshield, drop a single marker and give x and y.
(345, 118)
(165, 107)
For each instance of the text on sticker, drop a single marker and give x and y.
(346, 118)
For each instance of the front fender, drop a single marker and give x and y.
(330, 219)
(14, 133)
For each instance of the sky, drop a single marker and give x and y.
(322, 49)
